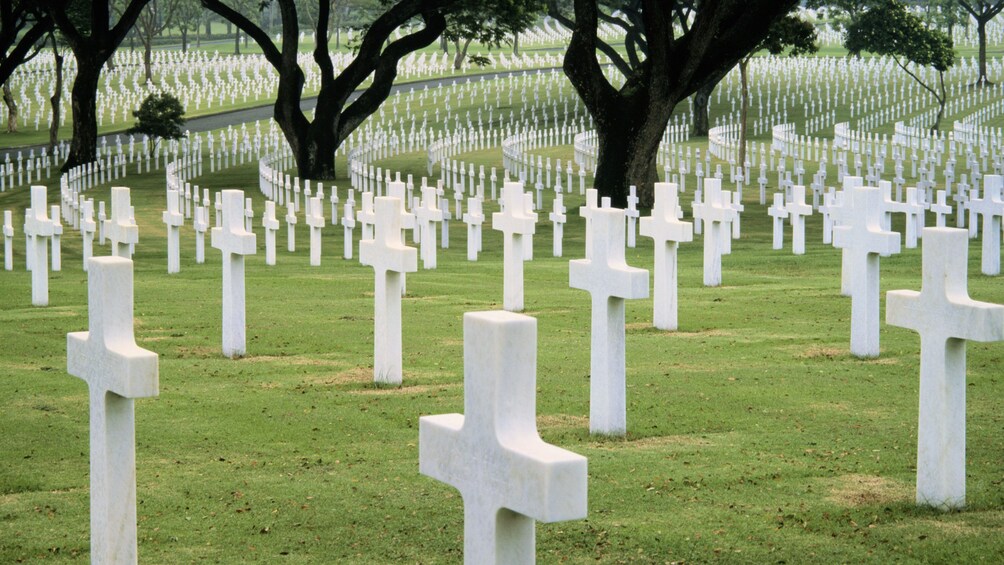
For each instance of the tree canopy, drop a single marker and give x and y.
(160, 116)
(22, 25)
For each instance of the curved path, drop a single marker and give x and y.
(236, 117)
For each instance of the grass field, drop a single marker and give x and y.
(753, 435)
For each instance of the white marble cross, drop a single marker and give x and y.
(799, 210)
(201, 223)
(507, 476)
(234, 242)
(8, 240)
(390, 259)
(940, 208)
(945, 317)
(515, 224)
(990, 207)
(609, 281)
(271, 226)
(57, 232)
(558, 219)
(426, 217)
(87, 229)
(716, 213)
(116, 371)
(290, 227)
(863, 241)
(474, 217)
(38, 228)
(174, 219)
(779, 213)
(586, 211)
(348, 225)
(120, 229)
(668, 231)
(632, 214)
(366, 216)
(315, 219)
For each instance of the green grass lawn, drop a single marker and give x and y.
(753, 435)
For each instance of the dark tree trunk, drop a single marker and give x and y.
(83, 101)
(981, 30)
(12, 113)
(184, 39)
(237, 43)
(701, 119)
(461, 54)
(57, 96)
(629, 137)
(148, 58)
(515, 44)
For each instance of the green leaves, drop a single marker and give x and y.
(889, 29)
(160, 116)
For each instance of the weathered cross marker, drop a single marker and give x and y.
(234, 242)
(390, 259)
(87, 228)
(271, 226)
(609, 280)
(717, 214)
(116, 371)
(779, 213)
(990, 207)
(290, 227)
(38, 228)
(558, 219)
(8, 240)
(945, 317)
(507, 476)
(863, 241)
(798, 210)
(120, 229)
(315, 219)
(426, 217)
(668, 231)
(174, 219)
(514, 224)
(473, 217)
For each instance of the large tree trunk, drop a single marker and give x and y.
(184, 38)
(702, 98)
(148, 58)
(237, 43)
(743, 112)
(83, 101)
(57, 96)
(461, 54)
(981, 29)
(629, 138)
(12, 113)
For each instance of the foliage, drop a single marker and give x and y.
(792, 34)
(841, 12)
(890, 29)
(160, 116)
(22, 25)
(491, 21)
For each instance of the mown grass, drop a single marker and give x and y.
(753, 435)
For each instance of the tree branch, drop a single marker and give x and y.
(269, 49)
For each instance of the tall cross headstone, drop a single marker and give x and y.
(390, 259)
(38, 228)
(426, 216)
(507, 476)
(87, 229)
(474, 217)
(990, 207)
(271, 225)
(558, 219)
(174, 219)
(234, 242)
(863, 241)
(57, 233)
(120, 229)
(201, 224)
(609, 281)
(716, 213)
(116, 371)
(945, 317)
(315, 219)
(515, 224)
(290, 227)
(779, 212)
(667, 231)
(798, 210)
(8, 240)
